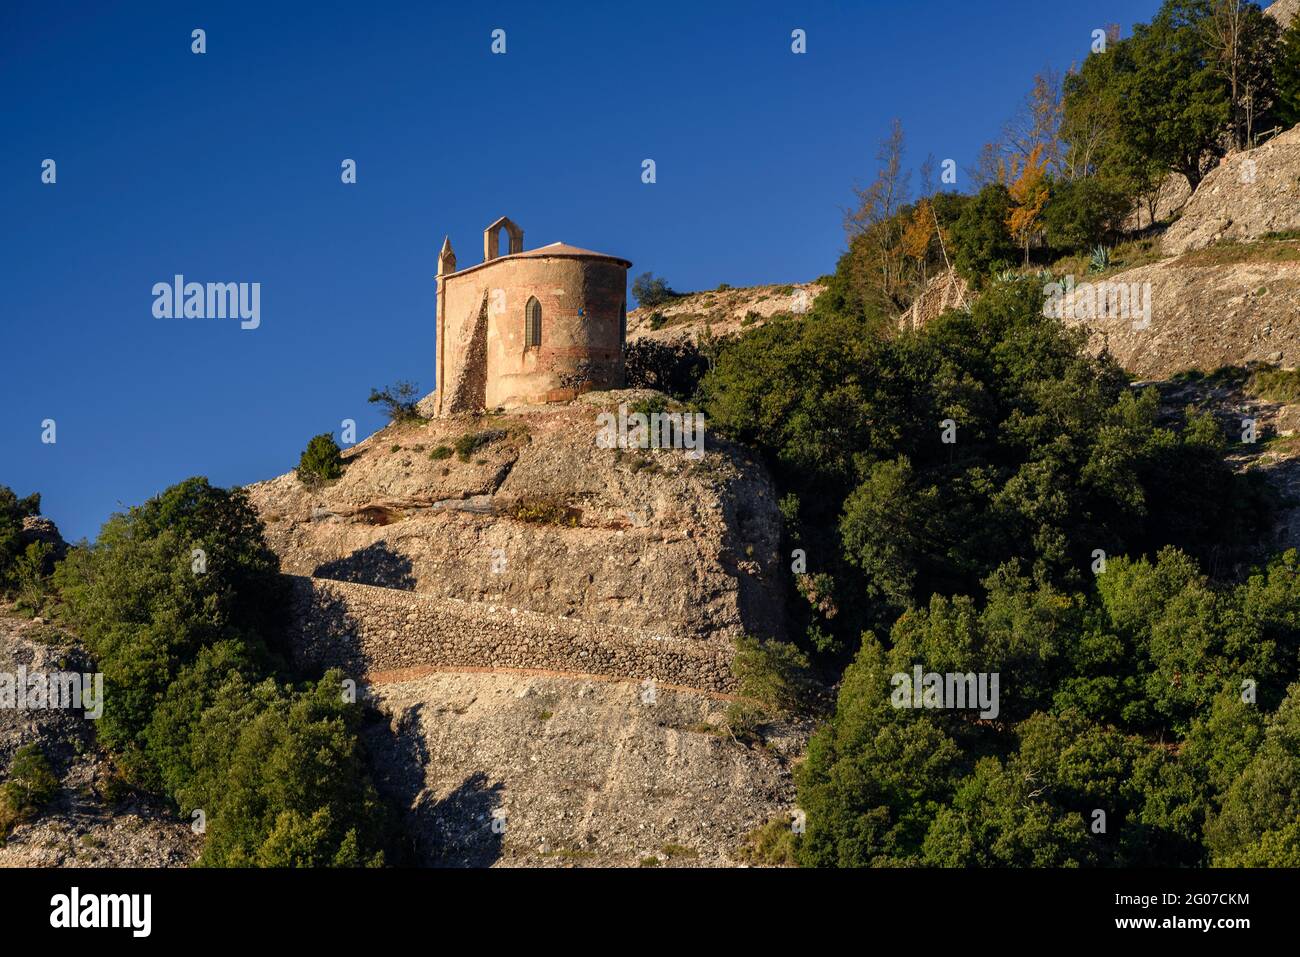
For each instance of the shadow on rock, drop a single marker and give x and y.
(375, 564)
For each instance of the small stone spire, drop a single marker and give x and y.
(446, 258)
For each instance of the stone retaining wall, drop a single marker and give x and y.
(364, 629)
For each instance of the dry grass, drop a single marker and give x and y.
(1231, 253)
(1275, 385)
(1128, 255)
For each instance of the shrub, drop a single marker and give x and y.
(31, 785)
(774, 674)
(441, 452)
(672, 367)
(543, 512)
(471, 442)
(12, 512)
(1131, 690)
(31, 574)
(772, 845)
(657, 320)
(201, 709)
(398, 400)
(321, 461)
(1054, 451)
(1083, 213)
(650, 290)
(1276, 385)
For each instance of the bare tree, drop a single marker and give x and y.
(874, 221)
(1037, 124)
(1240, 39)
(927, 177)
(988, 167)
(1223, 30)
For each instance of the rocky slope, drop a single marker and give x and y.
(1227, 291)
(1284, 11)
(1247, 196)
(1221, 306)
(573, 772)
(587, 771)
(92, 821)
(540, 518)
(723, 312)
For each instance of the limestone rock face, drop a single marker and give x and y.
(1172, 195)
(722, 312)
(572, 772)
(1284, 11)
(38, 528)
(1248, 195)
(539, 518)
(547, 627)
(1288, 420)
(1204, 314)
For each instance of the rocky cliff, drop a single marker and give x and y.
(1250, 194)
(516, 727)
(535, 516)
(511, 769)
(1221, 306)
(722, 312)
(92, 821)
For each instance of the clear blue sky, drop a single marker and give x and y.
(225, 167)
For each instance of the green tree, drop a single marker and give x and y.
(1286, 75)
(1170, 103)
(651, 290)
(12, 512)
(1084, 213)
(887, 528)
(981, 242)
(398, 401)
(29, 786)
(176, 601)
(1257, 824)
(872, 782)
(321, 461)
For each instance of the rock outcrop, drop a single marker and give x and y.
(88, 823)
(1284, 11)
(548, 771)
(545, 627)
(722, 312)
(38, 528)
(945, 291)
(536, 517)
(1208, 309)
(1247, 196)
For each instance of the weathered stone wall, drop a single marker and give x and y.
(582, 297)
(365, 629)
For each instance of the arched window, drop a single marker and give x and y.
(532, 323)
